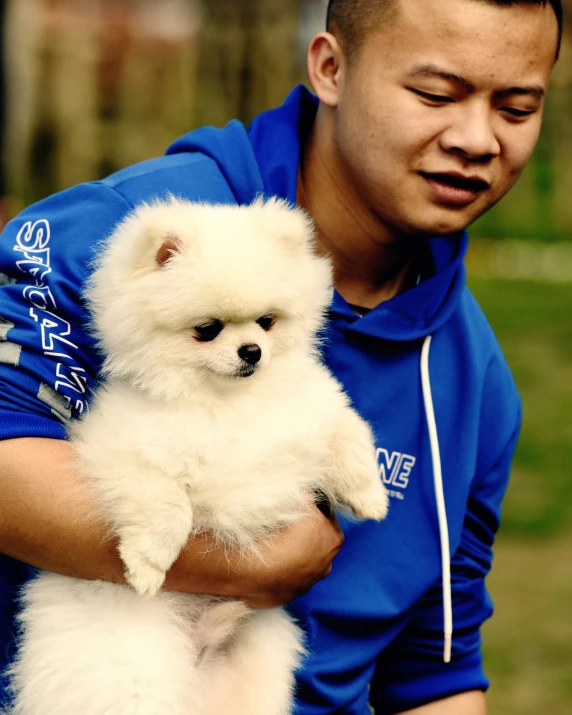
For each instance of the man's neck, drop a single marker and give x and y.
(371, 263)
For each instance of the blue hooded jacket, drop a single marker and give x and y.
(378, 618)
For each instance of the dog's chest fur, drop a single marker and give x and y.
(249, 459)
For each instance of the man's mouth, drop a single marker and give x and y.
(455, 189)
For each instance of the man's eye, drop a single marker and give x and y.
(266, 322)
(208, 331)
(434, 98)
(518, 112)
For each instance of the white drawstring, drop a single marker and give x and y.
(440, 497)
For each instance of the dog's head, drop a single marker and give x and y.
(189, 291)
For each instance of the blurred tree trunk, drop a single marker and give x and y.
(248, 58)
(94, 85)
(3, 211)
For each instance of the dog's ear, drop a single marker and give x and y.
(297, 231)
(170, 245)
(293, 227)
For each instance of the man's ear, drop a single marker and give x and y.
(326, 64)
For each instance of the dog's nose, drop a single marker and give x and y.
(250, 353)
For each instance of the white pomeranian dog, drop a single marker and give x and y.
(216, 416)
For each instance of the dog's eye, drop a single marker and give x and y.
(266, 322)
(208, 331)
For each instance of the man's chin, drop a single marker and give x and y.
(449, 222)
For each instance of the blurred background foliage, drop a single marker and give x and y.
(94, 85)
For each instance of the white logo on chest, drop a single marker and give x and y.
(395, 469)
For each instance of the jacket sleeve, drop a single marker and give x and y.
(48, 360)
(411, 672)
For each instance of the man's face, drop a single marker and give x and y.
(438, 114)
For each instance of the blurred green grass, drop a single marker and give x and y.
(528, 642)
(533, 322)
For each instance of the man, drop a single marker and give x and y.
(427, 112)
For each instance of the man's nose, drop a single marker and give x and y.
(471, 135)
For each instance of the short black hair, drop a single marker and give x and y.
(353, 20)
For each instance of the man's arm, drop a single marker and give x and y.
(48, 519)
(471, 703)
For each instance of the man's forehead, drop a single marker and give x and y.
(516, 44)
(448, 15)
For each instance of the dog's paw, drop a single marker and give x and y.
(371, 503)
(147, 582)
(143, 576)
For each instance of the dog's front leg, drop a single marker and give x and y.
(153, 518)
(356, 476)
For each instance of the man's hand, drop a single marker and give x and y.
(470, 703)
(288, 565)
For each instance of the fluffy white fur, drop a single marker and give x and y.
(184, 437)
